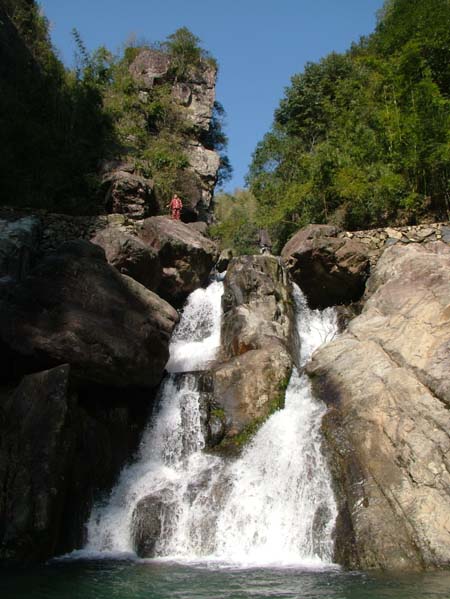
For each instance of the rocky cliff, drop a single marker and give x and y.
(385, 381)
(128, 192)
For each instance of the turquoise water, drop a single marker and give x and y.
(156, 580)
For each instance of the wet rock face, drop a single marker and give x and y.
(78, 309)
(59, 448)
(388, 426)
(151, 516)
(258, 342)
(186, 256)
(19, 242)
(329, 270)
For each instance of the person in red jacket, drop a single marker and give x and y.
(175, 206)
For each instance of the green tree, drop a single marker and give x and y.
(236, 226)
(362, 139)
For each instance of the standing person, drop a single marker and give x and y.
(175, 206)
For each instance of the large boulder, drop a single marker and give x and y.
(34, 450)
(258, 344)
(328, 269)
(257, 305)
(61, 448)
(126, 192)
(186, 256)
(387, 429)
(130, 255)
(153, 515)
(78, 309)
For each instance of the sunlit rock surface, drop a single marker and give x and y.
(387, 429)
(258, 342)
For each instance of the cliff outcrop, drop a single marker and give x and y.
(385, 381)
(60, 448)
(194, 96)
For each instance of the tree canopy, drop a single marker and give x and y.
(362, 139)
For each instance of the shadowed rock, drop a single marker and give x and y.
(130, 256)
(78, 309)
(329, 270)
(127, 193)
(186, 256)
(59, 448)
(19, 241)
(33, 457)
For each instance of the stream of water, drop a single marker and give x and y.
(271, 506)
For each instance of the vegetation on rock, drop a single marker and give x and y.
(60, 124)
(236, 227)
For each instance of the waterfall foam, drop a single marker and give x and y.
(197, 337)
(274, 504)
(281, 506)
(172, 443)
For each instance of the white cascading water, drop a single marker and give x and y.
(281, 507)
(170, 456)
(274, 504)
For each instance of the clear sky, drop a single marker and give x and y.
(259, 45)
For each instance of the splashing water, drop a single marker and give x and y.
(281, 507)
(272, 505)
(197, 337)
(172, 443)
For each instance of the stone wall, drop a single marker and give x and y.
(56, 229)
(377, 240)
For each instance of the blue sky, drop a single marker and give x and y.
(259, 45)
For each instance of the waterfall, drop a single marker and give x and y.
(273, 504)
(281, 506)
(170, 453)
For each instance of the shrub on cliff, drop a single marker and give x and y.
(186, 53)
